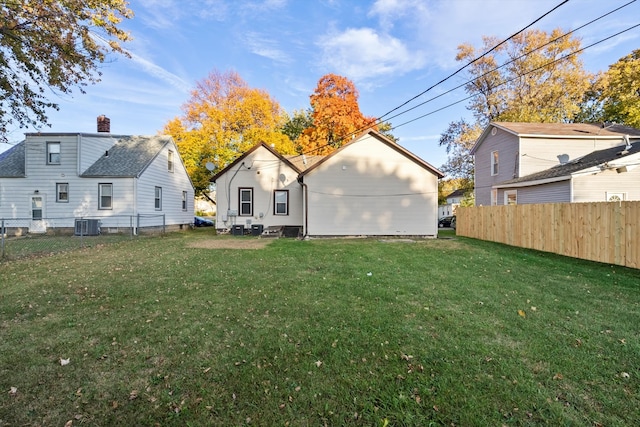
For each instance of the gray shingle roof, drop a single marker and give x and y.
(12, 162)
(568, 129)
(590, 160)
(128, 157)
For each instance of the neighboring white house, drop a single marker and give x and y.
(518, 163)
(453, 201)
(52, 179)
(370, 186)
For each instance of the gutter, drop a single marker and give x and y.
(305, 207)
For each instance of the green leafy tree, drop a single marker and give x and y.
(295, 124)
(52, 45)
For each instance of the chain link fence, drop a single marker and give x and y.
(24, 237)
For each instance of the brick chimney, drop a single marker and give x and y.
(104, 124)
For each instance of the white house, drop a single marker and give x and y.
(518, 163)
(371, 186)
(50, 180)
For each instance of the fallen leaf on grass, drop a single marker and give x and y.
(133, 395)
(64, 362)
(558, 376)
(319, 363)
(521, 313)
(624, 375)
(13, 391)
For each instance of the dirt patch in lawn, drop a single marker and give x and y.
(240, 243)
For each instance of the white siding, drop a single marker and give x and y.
(369, 188)
(172, 184)
(538, 154)
(265, 173)
(593, 188)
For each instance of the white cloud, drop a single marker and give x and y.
(160, 73)
(265, 47)
(363, 54)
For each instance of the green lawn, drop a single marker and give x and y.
(180, 330)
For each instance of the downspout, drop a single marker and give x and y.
(305, 207)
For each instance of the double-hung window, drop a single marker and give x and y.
(105, 196)
(511, 197)
(184, 200)
(494, 163)
(53, 153)
(170, 161)
(281, 202)
(246, 202)
(62, 192)
(158, 198)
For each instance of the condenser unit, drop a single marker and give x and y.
(87, 227)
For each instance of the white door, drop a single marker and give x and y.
(38, 224)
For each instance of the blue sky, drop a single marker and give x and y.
(391, 49)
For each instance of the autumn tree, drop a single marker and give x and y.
(533, 77)
(336, 116)
(52, 45)
(619, 91)
(224, 118)
(295, 124)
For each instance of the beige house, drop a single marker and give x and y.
(370, 186)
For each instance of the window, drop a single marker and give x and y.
(184, 200)
(246, 202)
(281, 202)
(616, 197)
(494, 163)
(170, 161)
(511, 197)
(494, 197)
(37, 204)
(53, 153)
(62, 192)
(158, 199)
(105, 196)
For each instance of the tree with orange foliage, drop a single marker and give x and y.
(224, 118)
(336, 116)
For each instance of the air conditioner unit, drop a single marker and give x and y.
(87, 227)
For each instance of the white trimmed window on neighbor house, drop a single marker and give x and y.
(170, 161)
(158, 198)
(511, 197)
(105, 196)
(62, 192)
(494, 163)
(53, 153)
(494, 197)
(616, 196)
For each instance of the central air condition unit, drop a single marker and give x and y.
(87, 227)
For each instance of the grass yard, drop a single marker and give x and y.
(194, 329)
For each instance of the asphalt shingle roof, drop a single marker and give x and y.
(568, 129)
(128, 157)
(12, 162)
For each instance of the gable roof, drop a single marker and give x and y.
(128, 157)
(254, 148)
(12, 162)
(564, 172)
(457, 193)
(385, 141)
(559, 130)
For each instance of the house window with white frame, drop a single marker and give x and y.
(53, 153)
(494, 197)
(246, 202)
(511, 197)
(62, 192)
(170, 161)
(105, 196)
(616, 196)
(494, 163)
(184, 200)
(281, 202)
(158, 198)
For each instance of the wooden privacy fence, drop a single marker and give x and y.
(607, 232)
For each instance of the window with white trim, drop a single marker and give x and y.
(494, 197)
(158, 198)
(184, 200)
(53, 153)
(246, 202)
(616, 196)
(281, 202)
(494, 163)
(170, 161)
(511, 197)
(62, 192)
(105, 196)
